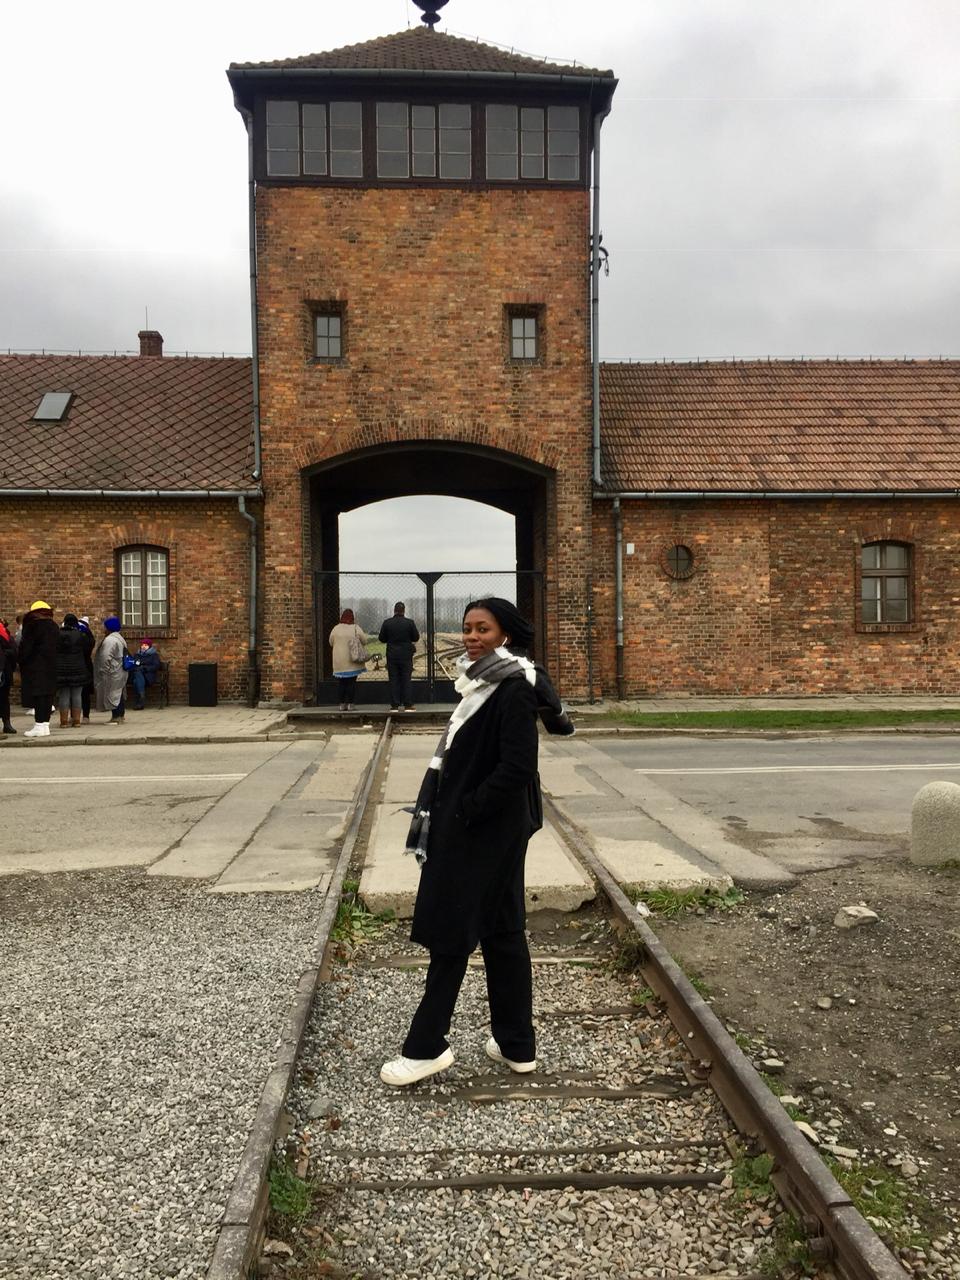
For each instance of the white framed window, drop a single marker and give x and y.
(144, 587)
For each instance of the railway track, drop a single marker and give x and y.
(620, 1156)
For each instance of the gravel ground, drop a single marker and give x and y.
(346, 1126)
(138, 1020)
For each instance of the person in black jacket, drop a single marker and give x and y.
(74, 647)
(400, 635)
(478, 806)
(8, 664)
(38, 665)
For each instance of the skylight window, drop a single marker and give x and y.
(53, 407)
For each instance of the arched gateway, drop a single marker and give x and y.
(422, 316)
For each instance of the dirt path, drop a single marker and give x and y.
(876, 1062)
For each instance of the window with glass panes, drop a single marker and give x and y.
(423, 141)
(533, 142)
(144, 587)
(314, 139)
(885, 582)
(328, 335)
(524, 336)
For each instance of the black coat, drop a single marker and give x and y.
(38, 658)
(400, 635)
(73, 651)
(486, 809)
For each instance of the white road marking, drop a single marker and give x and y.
(133, 777)
(812, 768)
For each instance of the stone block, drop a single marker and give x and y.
(935, 824)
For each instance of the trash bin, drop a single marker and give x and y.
(202, 684)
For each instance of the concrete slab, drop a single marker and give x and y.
(212, 844)
(702, 834)
(294, 849)
(562, 776)
(653, 866)
(339, 768)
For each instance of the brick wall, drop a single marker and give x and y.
(423, 277)
(64, 551)
(771, 606)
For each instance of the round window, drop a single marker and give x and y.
(678, 561)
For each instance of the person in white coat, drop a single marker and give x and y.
(109, 674)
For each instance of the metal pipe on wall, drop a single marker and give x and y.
(254, 337)
(618, 595)
(253, 674)
(595, 295)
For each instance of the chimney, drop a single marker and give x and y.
(151, 342)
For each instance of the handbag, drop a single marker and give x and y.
(129, 663)
(356, 648)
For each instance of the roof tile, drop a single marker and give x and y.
(422, 49)
(135, 423)
(782, 426)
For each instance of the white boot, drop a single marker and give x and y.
(38, 731)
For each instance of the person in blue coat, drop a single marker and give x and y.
(478, 806)
(144, 673)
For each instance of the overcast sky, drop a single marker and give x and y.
(780, 177)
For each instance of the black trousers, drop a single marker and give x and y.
(347, 686)
(5, 703)
(506, 959)
(41, 706)
(400, 675)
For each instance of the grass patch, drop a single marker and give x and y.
(880, 1195)
(864, 718)
(629, 954)
(950, 865)
(672, 903)
(354, 922)
(289, 1195)
(751, 1177)
(642, 997)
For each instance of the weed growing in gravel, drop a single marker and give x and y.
(787, 1252)
(629, 954)
(672, 903)
(642, 997)
(289, 1195)
(887, 1202)
(751, 1176)
(354, 922)
(778, 1089)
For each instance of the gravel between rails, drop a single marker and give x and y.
(400, 1233)
(138, 1021)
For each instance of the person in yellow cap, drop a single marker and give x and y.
(38, 665)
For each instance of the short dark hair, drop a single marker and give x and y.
(399, 607)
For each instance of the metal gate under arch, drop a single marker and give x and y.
(435, 601)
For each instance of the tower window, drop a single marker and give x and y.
(314, 139)
(525, 334)
(423, 141)
(328, 333)
(533, 142)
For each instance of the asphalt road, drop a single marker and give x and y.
(804, 802)
(72, 809)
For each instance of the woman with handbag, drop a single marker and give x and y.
(348, 643)
(478, 806)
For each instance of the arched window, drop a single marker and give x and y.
(885, 582)
(144, 576)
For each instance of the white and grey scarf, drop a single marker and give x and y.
(475, 684)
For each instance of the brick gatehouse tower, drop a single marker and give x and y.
(422, 318)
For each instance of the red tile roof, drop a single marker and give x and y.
(134, 423)
(781, 426)
(421, 49)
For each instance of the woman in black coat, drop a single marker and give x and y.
(74, 647)
(477, 809)
(8, 664)
(37, 657)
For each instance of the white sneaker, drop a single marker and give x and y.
(401, 1071)
(493, 1051)
(38, 731)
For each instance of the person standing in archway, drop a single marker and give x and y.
(400, 635)
(478, 806)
